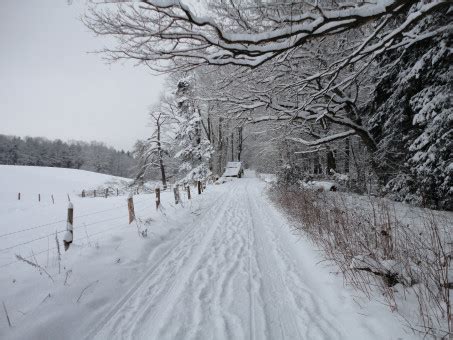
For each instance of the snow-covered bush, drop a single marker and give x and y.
(290, 174)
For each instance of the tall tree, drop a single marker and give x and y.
(195, 149)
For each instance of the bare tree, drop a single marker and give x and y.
(152, 151)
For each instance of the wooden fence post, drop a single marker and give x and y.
(188, 192)
(176, 192)
(199, 187)
(83, 193)
(69, 236)
(94, 193)
(106, 192)
(18, 196)
(157, 198)
(39, 197)
(53, 201)
(130, 208)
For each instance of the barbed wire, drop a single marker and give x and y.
(60, 231)
(60, 221)
(31, 228)
(137, 203)
(53, 248)
(30, 241)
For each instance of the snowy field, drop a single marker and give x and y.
(223, 265)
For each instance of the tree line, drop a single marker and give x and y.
(93, 156)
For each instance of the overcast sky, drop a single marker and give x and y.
(51, 87)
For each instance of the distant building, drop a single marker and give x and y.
(233, 169)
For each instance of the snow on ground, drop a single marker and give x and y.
(224, 265)
(268, 178)
(33, 180)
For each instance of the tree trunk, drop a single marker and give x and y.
(361, 183)
(239, 147)
(316, 164)
(220, 146)
(161, 161)
(232, 147)
(331, 163)
(346, 157)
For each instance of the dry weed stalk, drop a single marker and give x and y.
(414, 255)
(35, 265)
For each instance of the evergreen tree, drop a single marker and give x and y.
(195, 148)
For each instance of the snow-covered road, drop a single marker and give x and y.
(237, 272)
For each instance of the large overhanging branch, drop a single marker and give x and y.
(171, 30)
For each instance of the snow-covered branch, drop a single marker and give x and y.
(324, 140)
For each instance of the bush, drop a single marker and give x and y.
(375, 242)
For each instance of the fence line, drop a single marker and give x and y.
(139, 202)
(60, 231)
(27, 242)
(61, 221)
(39, 226)
(55, 247)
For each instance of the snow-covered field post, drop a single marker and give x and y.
(18, 196)
(83, 193)
(188, 192)
(69, 236)
(199, 187)
(94, 193)
(53, 201)
(106, 192)
(39, 197)
(157, 198)
(130, 208)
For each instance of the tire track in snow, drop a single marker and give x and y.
(180, 269)
(315, 318)
(284, 325)
(208, 291)
(114, 318)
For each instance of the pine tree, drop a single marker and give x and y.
(195, 149)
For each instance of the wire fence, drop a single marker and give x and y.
(81, 222)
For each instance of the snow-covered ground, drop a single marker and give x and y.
(223, 265)
(30, 181)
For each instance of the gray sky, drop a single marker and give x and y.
(51, 87)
